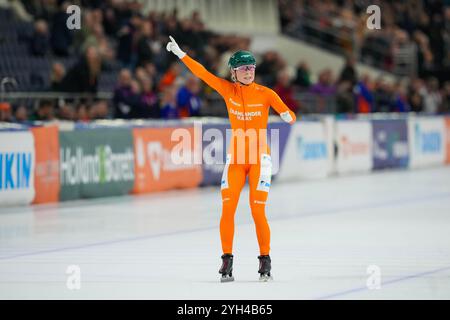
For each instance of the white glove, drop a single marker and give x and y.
(286, 116)
(173, 46)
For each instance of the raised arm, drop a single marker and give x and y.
(285, 113)
(218, 84)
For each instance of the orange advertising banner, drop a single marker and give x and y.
(46, 174)
(164, 160)
(447, 134)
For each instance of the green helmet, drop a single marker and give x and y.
(241, 58)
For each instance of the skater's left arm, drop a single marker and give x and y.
(285, 113)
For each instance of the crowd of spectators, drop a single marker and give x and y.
(424, 24)
(152, 83)
(353, 92)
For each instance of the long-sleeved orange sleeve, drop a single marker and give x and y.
(279, 105)
(218, 84)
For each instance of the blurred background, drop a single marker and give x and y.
(319, 56)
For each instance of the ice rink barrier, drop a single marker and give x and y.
(58, 161)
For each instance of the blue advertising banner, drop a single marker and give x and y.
(214, 150)
(390, 144)
(284, 130)
(426, 141)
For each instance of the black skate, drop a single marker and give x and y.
(227, 268)
(264, 268)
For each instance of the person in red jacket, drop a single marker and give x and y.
(248, 107)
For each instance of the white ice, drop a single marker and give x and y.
(325, 235)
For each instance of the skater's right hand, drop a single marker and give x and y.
(173, 46)
(288, 117)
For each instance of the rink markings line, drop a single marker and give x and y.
(383, 284)
(325, 211)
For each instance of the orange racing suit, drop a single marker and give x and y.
(248, 111)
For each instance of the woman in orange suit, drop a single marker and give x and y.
(248, 106)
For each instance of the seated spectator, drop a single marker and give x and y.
(126, 36)
(110, 21)
(169, 108)
(82, 113)
(21, 113)
(285, 90)
(57, 75)
(122, 94)
(268, 68)
(80, 35)
(324, 87)
(66, 112)
(61, 36)
(416, 102)
(45, 111)
(416, 92)
(134, 99)
(143, 100)
(170, 77)
(348, 72)
(150, 70)
(149, 106)
(144, 44)
(99, 110)
(345, 101)
(445, 106)
(83, 77)
(432, 97)
(383, 101)
(364, 96)
(400, 103)
(141, 74)
(303, 75)
(40, 40)
(188, 100)
(97, 39)
(5, 112)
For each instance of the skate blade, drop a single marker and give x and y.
(265, 278)
(227, 279)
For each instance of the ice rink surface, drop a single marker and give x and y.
(325, 235)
